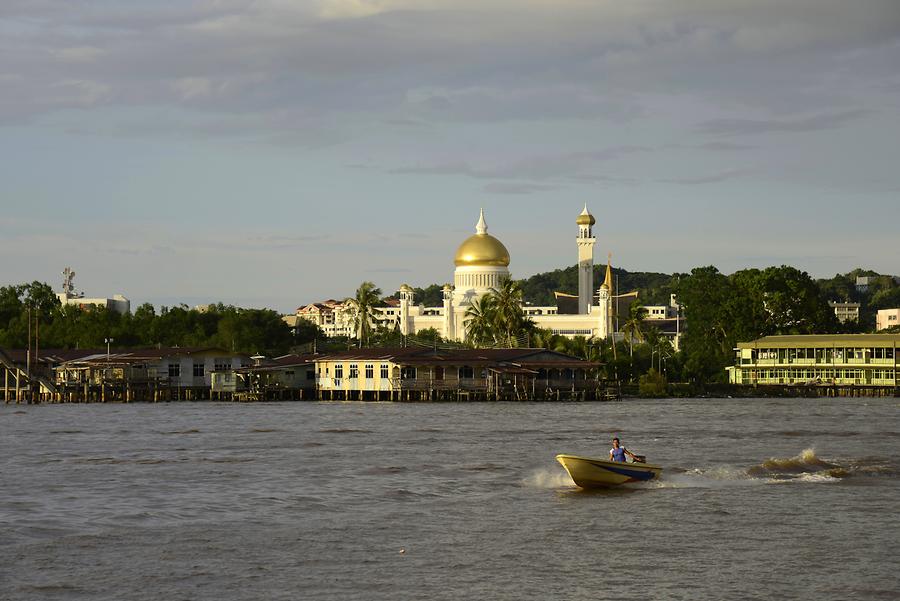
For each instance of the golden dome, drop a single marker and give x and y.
(585, 218)
(482, 249)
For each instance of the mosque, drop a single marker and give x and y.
(482, 263)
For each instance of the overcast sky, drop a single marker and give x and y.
(277, 152)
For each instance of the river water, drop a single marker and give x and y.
(760, 499)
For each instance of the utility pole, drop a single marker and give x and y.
(37, 338)
(28, 359)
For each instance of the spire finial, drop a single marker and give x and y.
(481, 228)
(608, 280)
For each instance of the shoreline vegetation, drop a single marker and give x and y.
(719, 311)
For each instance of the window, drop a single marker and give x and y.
(384, 371)
(354, 371)
(466, 371)
(199, 370)
(310, 374)
(439, 373)
(221, 364)
(338, 371)
(370, 371)
(408, 373)
(174, 370)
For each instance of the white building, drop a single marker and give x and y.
(887, 318)
(69, 296)
(333, 318)
(845, 311)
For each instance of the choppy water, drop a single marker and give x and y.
(761, 499)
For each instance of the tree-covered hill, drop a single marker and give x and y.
(653, 288)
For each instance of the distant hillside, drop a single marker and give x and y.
(653, 288)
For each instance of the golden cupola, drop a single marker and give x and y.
(585, 218)
(482, 249)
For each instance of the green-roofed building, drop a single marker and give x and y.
(839, 360)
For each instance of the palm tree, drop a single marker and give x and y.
(633, 328)
(510, 318)
(480, 321)
(361, 310)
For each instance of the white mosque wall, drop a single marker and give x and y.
(474, 281)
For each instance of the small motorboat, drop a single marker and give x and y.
(587, 472)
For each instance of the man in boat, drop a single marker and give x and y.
(618, 453)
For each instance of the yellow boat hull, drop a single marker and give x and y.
(601, 473)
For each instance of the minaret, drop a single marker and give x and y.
(406, 298)
(586, 243)
(449, 321)
(604, 312)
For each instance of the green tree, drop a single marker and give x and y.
(793, 303)
(480, 319)
(707, 341)
(633, 329)
(653, 384)
(510, 322)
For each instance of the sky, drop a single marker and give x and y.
(274, 153)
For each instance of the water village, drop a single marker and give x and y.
(481, 341)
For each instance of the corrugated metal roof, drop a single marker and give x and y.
(421, 356)
(823, 340)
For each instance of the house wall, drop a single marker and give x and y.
(185, 367)
(887, 318)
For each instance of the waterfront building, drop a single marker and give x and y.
(416, 373)
(289, 377)
(839, 360)
(887, 318)
(144, 374)
(69, 296)
(25, 377)
(845, 311)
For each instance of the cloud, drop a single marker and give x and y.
(710, 179)
(283, 242)
(732, 127)
(389, 270)
(724, 146)
(516, 188)
(536, 167)
(428, 61)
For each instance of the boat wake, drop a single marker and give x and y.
(806, 467)
(806, 462)
(545, 478)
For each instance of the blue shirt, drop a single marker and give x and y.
(618, 454)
